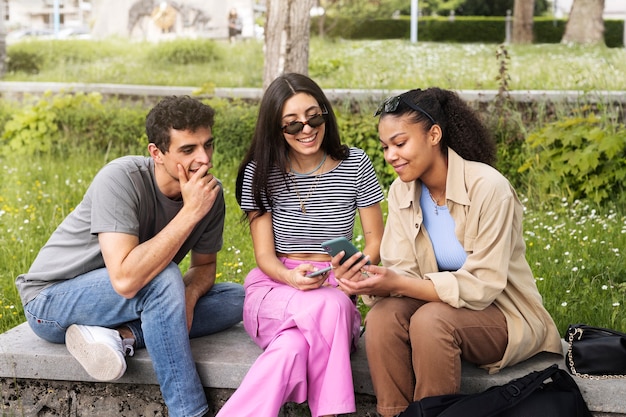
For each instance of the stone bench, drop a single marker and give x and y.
(41, 378)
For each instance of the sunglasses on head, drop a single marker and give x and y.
(391, 105)
(296, 126)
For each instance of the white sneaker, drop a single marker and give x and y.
(99, 350)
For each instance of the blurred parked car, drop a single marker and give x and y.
(65, 33)
(74, 33)
(23, 34)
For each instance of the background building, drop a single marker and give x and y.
(137, 19)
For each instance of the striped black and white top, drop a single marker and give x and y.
(330, 202)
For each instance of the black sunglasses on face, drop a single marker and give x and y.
(391, 105)
(296, 126)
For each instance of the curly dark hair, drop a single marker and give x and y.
(179, 113)
(461, 127)
(269, 149)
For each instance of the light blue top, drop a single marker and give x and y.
(440, 227)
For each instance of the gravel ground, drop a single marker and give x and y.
(42, 398)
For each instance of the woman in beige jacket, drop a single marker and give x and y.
(455, 283)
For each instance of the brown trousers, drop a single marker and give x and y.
(414, 348)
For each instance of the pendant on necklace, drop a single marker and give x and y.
(302, 209)
(435, 203)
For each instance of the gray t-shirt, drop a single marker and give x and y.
(123, 198)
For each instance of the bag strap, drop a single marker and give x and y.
(496, 399)
(575, 328)
(575, 332)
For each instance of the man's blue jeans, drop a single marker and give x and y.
(157, 318)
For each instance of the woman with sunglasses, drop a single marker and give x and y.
(455, 284)
(298, 187)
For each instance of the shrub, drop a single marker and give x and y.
(233, 130)
(31, 57)
(359, 129)
(582, 156)
(184, 52)
(56, 123)
(29, 62)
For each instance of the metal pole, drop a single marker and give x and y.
(507, 29)
(414, 21)
(55, 11)
(3, 36)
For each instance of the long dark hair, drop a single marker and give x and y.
(269, 149)
(463, 131)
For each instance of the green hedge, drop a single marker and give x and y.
(461, 29)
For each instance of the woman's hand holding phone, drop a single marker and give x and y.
(319, 272)
(348, 266)
(341, 244)
(304, 277)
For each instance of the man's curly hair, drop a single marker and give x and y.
(179, 113)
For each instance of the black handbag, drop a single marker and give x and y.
(595, 352)
(528, 396)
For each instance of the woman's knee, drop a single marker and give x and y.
(329, 302)
(433, 323)
(386, 316)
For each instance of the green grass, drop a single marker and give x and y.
(369, 64)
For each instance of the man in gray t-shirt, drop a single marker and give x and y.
(108, 282)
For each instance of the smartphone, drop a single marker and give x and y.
(334, 246)
(319, 272)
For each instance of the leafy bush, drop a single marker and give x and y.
(56, 123)
(185, 51)
(31, 57)
(32, 130)
(360, 129)
(233, 130)
(7, 109)
(582, 156)
(29, 62)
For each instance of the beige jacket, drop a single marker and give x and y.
(488, 219)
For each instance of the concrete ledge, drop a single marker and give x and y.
(12, 88)
(224, 358)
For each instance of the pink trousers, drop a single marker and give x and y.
(307, 337)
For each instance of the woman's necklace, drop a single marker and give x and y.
(306, 173)
(313, 186)
(301, 200)
(436, 201)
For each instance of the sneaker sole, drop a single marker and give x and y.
(99, 360)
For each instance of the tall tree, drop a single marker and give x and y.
(287, 35)
(523, 21)
(585, 24)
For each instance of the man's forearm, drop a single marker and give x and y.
(132, 266)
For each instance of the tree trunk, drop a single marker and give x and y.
(523, 11)
(585, 24)
(3, 40)
(287, 35)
